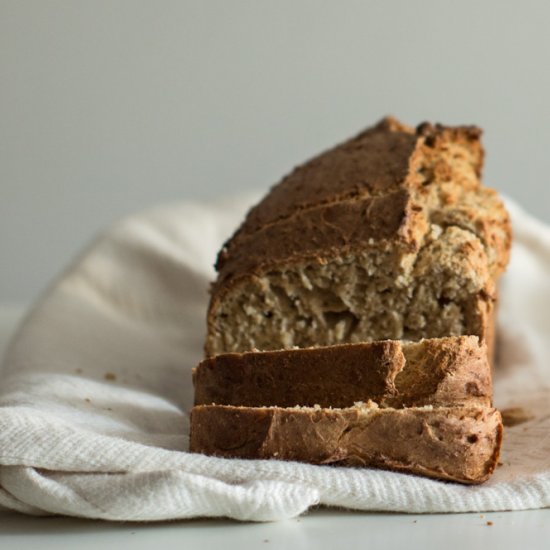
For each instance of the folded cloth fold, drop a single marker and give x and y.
(96, 389)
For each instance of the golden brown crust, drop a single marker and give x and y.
(379, 160)
(457, 444)
(449, 371)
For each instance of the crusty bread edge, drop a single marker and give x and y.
(447, 371)
(433, 442)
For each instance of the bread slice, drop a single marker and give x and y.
(452, 443)
(390, 235)
(450, 371)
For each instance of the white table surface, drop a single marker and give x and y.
(320, 529)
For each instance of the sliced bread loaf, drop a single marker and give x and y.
(390, 235)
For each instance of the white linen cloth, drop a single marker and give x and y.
(96, 389)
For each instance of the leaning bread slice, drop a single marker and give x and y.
(453, 443)
(448, 371)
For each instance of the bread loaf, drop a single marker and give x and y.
(452, 371)
(456, 443)
(390, 235)
(352, 314)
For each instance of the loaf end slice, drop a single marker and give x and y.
(460, 444)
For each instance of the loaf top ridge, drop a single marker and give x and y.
(378, 161)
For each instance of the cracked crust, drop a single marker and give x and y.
(451, 371)
(404, 208)
(457, 444)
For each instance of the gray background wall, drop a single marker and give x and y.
(110, 106)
